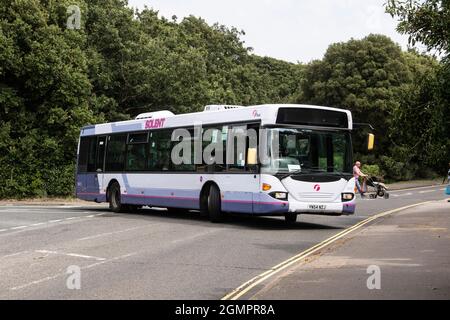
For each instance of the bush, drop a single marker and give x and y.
(373, 171)
(60, 181)
(397, 170)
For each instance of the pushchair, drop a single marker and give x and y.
(375, 188)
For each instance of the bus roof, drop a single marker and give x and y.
(267, 114)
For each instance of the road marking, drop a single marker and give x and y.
(402, 194)
(19, 227)
(14, 254)
(427, 191)
(35, 282)
(115, 232)
(250, 284)
(64, 274)
(416, 188)
(112, 259)
(37, 224)
(51, 221)
(76, 255)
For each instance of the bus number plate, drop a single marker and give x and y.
(317, 206)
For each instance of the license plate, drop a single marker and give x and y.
(317, 206)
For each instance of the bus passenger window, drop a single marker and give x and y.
(159, 151)
(115, 153)
(236, 148)
(136, 157)
(92, 154)
(83, 154)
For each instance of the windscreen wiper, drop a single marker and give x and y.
(284, 176)
(339, 173)
(303, 170)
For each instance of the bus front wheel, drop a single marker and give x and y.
(214, 204)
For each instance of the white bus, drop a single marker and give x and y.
(308, 171)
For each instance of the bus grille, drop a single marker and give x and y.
(316, 196)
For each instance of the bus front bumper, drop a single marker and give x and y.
(322, 208)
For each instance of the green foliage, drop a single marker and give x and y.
(373, 171)
(398, 170)
(365, 76)
(121, 62)
(426, 21)
(425, 115)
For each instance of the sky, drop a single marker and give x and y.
(291, 30)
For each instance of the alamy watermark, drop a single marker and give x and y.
(374, 280)
(74, 17)
(73, 281)
(234, 146)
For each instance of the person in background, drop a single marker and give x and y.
(448, 175)
(358, 173)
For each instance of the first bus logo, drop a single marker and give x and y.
(154, 123)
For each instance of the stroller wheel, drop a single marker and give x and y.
(372, 196)
(386, 195)
(380, 193)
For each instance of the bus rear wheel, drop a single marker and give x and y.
(214, 205)
(115, 205)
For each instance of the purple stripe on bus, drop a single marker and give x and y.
(348, 207)
(257, 202)
(162, 197)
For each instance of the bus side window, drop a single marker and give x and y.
(213, 149)
(92, 154)
(115, 153)
(137, 152)
(159, 151)
(236, 148)
(83, 154)
(190, 166)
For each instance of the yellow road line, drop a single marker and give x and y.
(247, 286)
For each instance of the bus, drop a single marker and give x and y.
(298, 160)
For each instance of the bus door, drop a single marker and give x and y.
(242, 181)
(94, 180)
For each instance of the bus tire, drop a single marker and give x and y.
(290, 217)
(214, 204)
(115, 205)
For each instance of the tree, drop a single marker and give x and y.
(121, 62)
(365, 76)
(44, 98)
(428, 22)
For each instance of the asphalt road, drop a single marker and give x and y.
(153, 254)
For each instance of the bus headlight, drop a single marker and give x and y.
(279, 195)
(347, 196)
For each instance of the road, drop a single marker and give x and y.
(156, 255)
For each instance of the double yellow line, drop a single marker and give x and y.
(247, 286)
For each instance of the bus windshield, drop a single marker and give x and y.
(293, 150)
